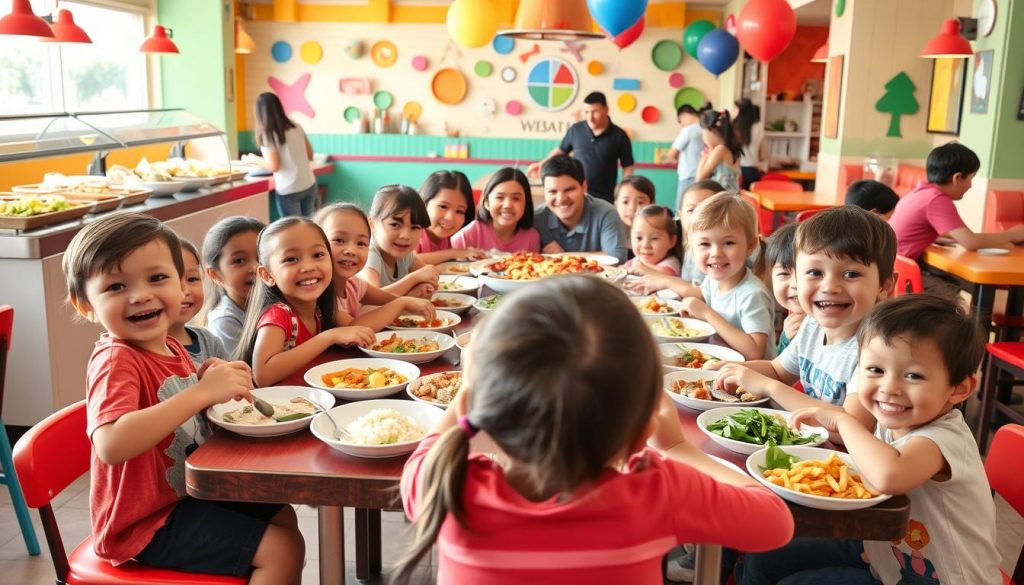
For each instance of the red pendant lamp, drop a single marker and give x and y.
(821, 55)
(66, 31)
(159, 42)
(23, 22)
(949, 43)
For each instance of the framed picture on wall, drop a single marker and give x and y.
(833, 95)
(946, 101)
(981, 81)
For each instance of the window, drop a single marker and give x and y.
(109, 74)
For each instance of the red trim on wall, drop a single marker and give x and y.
(505, 162)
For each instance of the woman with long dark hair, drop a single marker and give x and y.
(286, 153)
(747, 124)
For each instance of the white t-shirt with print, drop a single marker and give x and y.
(824, 370)
(748, 306)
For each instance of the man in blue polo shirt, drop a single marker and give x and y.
(599, 144)
(570, 220)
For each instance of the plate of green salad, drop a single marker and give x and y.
(748, 429)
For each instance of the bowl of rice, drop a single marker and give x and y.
(377, 428)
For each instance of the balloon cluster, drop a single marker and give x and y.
(715, 49)
(764, 28)
(622, 20)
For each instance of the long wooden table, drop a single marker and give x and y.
(299, 469)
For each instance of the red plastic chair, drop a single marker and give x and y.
(765, 217)
(807, 214)
(775, 186)
(907, 276)
(773, 176)
(1002, 357)
(1002, 466)
(48, 458)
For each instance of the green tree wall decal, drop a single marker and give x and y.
(898, 100)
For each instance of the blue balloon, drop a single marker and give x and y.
(615, 16)
(717, 51)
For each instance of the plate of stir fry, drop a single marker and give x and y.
(414, 347)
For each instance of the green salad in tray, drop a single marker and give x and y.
(758, 428)
(490, 302)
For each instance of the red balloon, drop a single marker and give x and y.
(630, 35)
(765, 28)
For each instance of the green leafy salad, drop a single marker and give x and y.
(756, 427)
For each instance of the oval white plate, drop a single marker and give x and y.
(480, 307)
(461, 302)
(670, 350)
(448, 320)
(673, 306)
(411, 389)
(705, 328)
(273, 395)
(993, 251)
(444, 342)
(455, 268)
(757, 459)
(313, 377)
(709, 416)
(466, 285)
(729, 464)
(696, 403)
(426, 415)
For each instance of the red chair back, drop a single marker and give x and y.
(6, 330)
(907, 275)
(1003, 468)
(771, 176)
(806, 214)
(775, 186)
(1003, 210)
(52, 454)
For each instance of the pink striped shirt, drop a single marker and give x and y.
(428, 245)
(613, 532)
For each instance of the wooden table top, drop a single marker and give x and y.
(1007, 269)
(798, 175)
(795, 200)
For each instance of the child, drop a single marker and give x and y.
(200, 344)
(291, 317)
(844, 265)
(145, 406)
(286, 153)
(874, 196)
(449, 200)
(778, 257)
(720, 160)
(656, 242)
(229, 255)
(566, 504)
(504, 220)
(398, 217)
(348, 231)
(918, 357)
(631, 194)
(732, 299)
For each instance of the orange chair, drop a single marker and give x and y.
(775, 186)
(48, 458)
(908, 178)
(1003, 210)
(848, 174)
(1002, 467)
(807, 214)
(765, 217)
(907, 276)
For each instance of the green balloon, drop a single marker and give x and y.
(694, 33)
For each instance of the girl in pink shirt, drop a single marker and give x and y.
(565, 380)
(504, 220)
(449, 200)
(657, 246)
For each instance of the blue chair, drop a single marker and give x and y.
(7, 475)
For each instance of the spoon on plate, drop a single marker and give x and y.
(264, 407)
(340, 433)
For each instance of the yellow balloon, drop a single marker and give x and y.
(472, 23)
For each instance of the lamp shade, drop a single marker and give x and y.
(66, 31)
(821, 55)
(23, 22)
(553, 20)
(159, 42)
(948, 43)
(243, 42)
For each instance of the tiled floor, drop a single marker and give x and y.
(18, 568)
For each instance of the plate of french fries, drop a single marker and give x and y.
(813, 477)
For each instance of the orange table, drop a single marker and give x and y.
(788, 201)
(981, 275)
(799, 175)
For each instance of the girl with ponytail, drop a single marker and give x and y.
(722, 151)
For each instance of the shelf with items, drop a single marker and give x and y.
(791, 129)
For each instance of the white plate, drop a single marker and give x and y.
(313, 377)
(448, 283)
(993, 251)
(480, 307)
(273, 395)
(159, 188)
(465, 302)
(671, 350)
(426, 415)
(411, 389)
(729, 464)
(444, 342)
(193, 183)
(757, 459)
(462, 341)
(449, 320)
(455, 267)
(673, 306)
(705, 329)
(709, 416)
(696, 403)
(504, 285)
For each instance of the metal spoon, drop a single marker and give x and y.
(264, 407)
(340, 433)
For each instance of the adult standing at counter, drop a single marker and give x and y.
(597, 143)
(570, 220)
(686, 149)
(286, 153)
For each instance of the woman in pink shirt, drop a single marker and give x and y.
(565, 379)
(504, 220)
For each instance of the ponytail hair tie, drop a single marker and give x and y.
(467, 427)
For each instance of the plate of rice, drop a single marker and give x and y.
(378, 428)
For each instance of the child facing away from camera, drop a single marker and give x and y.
(291, 317)
(504, 219)
(844, 265)
(781, 266)
(398, 218)
(348, 231)
(200, 343)
(657, 246)
(545, 369)
(720, 159)
(874, 196)
(145, 403)
(229, 257)
(918, 358)
(449, 200)
(632, 194)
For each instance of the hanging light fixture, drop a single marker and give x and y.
(553, 20)
(23, 22)
(243, 42)
(66, 31)
(159, 42)
(949, 43)
(821, 55)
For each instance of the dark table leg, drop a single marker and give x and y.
(981, 306)
(368, 545)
